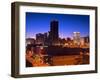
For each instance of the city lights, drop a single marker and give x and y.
(48, 48)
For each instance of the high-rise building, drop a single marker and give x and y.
(76, 38)
(84, 41)
(46, 38)
(46, 35)
(54, 32)
(40, 38)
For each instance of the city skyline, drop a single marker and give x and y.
(40, 23)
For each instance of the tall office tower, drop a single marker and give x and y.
(76, 38)
(54, 33)
(46, 40)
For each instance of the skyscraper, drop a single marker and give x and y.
(76, 38)
(54, 32)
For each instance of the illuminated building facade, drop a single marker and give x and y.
(84, 41)
(76, 38)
